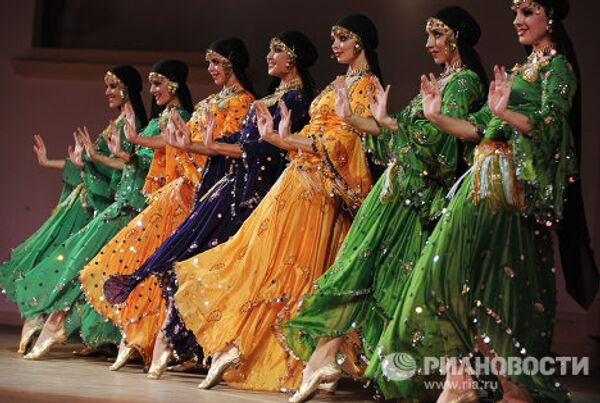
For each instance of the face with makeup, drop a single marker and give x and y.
(219, 67)
(530, 22)
(114, 91)
(345, 45)
(159, 88)
(440, 42)
(279, 59)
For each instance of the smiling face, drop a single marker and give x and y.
(219, 67)
(279, 59)
(530, 22)
(345, 45)
(114, 90)
(159, 88)
(440, 43)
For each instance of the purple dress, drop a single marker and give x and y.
(219, 211)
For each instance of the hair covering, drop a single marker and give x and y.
(132, 79)
(362, 26)
(177, 72)
(577, 256)
(234, 50)
(306, 56)
(467, 33)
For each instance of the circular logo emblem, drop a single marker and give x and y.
(399, 366)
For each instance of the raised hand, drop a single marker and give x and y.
(499, 93)
(83, 136)
(285, 122)
(76, 153)
(342, 103)
(39, 148)
(114, 141)
(378, 100)
(431, 97)
(180, 136)
(264, 121)
(129, 128)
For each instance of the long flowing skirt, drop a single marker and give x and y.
(53, 284)
(486, 271)
(68, 217)
(239, 291)
(142, 315)
(359, 292)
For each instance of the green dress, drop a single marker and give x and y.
(85, 192)
(487, 268)
(359, 291)
(53, 284)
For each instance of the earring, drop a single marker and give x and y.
(123, 95)
(549, 26)
(357, 48)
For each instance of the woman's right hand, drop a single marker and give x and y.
(39, 148)
(178, 133)
(431, 98)
(264, 121)
(129, 127)
(378, 105)
(76, 152)
(84, 138)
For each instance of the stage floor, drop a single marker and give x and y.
(62, 377)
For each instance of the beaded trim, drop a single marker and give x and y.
(290, 52)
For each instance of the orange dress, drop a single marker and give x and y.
(240, 290)
(142, 315)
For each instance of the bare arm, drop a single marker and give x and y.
(39, 148)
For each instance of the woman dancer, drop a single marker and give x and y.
(233, 295)
(142, 315)
(52, 287)
(81, 198)
(255, 166)
(485, 284)
(359, 292)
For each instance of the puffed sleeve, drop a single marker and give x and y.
(340, 148)
(545, 160)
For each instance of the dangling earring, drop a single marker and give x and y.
(357, 48)
(549, 26)
(172, 86)
(123, 95)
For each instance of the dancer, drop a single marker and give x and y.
(52, 287)
(255, 166)
(81, 198)
(358, 294)
(233, 295)
(484, 286)
(142, 315)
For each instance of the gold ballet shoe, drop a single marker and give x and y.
(218, 368)
(156, 370)
(28, 336)
(328, 373)
(124, 354)
(39, 351)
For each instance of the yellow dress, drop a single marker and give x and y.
(240, 290)
(142, 315)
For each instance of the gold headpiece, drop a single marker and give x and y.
(290, 52)
(531, 3)
(337, 30)
(227, 67)
(112, 76)
(172, 85)
(437, 24)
